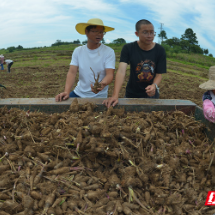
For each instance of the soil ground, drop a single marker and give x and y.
(172, 140)
(44, 75)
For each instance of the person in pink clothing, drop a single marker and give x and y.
(209, 96)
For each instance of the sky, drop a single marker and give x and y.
(40, 23)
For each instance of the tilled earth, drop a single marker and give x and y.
(143, 163)
(40, 82)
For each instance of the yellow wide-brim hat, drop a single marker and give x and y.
(210, 84)
(80, 27)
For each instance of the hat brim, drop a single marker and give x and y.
(208, 85)
(80, 27)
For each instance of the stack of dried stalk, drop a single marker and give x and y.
(107, 163)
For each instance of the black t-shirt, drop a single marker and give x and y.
(144, 65)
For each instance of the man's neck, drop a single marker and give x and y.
(146, 47)
(93, 45)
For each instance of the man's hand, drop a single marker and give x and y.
(150, 90)
(61, 96)
(110, 101)
(103, 85)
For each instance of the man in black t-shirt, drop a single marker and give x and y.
(147, 61)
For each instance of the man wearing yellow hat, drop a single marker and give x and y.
(92, 56)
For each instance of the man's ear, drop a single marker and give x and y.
(136, 33)
(86, 31)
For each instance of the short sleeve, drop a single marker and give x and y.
(206, 95)
(74, 60)
(110, 60)
(124, 57)
(161, 64)
(209, 110)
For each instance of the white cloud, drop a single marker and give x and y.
(179, 15)
(26, 22)
(107, 41)
(98, 6)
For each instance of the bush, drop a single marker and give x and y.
(11, 49)
(166, 47)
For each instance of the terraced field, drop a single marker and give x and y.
(42, 74)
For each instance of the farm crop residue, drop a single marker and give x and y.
(112, 162)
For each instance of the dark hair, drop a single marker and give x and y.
(89, 27)
(142, 22)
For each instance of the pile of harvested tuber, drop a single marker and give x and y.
(83, 162)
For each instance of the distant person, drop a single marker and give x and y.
(209, 96)
(9, 64)
(2, 61)
(147, 61)
(92, 56)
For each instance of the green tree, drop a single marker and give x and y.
(206, 51)
(19, 47)
(119, 41)
(76, 41)
(177, 49)
(162, 35)
(185, 45)
(11, 49)
(189, 36)
(166, 47)
(172, 42)
(103, 41)
(196, 49)
(84, 42)
(210, 55)
(57, 43)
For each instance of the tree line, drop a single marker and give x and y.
(188, 43)
(59, 42)
(118, 41)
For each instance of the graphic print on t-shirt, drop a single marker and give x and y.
(145, 71)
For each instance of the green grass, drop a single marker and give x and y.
(61, 56)
(194, 59)
(176, 84)
(188, 63)
(46, 65)
(186, 74)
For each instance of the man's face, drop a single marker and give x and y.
(146, 34)
(95, 35)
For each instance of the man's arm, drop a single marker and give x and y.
(157, 79)
(106, 80)
(70, 80)
(120, 76)
(209, 110)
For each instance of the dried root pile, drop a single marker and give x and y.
(109, 163)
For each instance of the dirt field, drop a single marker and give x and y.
(135, 163)
(45, 77)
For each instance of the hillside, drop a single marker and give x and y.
(42, 72)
